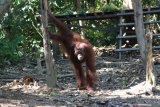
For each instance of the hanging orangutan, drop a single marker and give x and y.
(79, 51)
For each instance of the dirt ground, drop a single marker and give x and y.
(119, 84)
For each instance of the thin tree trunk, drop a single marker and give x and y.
(51, 72)
(150, 76)
(138, 17)
(4, 7)
(55, 46)
(78, 7)
(150, 71)
(145, 45)
(39, 65)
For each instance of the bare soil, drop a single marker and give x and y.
(119, 84)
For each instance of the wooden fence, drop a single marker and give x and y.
(123, 25)
(120, 16)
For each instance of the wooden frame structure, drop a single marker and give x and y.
(122, 24)
(119, 15)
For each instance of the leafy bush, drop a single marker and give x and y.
(150, 3)
(101, 32)
(20, 29)
(109, 7)
(8, 49)
(113, 5)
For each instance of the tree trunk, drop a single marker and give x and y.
(56, 52)
(77, 4)
(78, 7)
(51, 72)
(150, 71)
(139, 26)
(4, 7)
(55, 46)
(150, 76)
(145, 45)
(39, 65)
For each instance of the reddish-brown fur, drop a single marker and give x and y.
(27, 80)
(73, 45)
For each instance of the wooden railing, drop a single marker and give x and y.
(120, 16)
(122, 24)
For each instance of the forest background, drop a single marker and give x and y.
(20, 27)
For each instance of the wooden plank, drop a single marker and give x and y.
(126, 37)
(133, 49)
(105, 15)
(126, 49)
(132, 24)
(156, 47)
(120, 41)
(89, 16)
(134, 36)
(156, 35)
(144, 13)
(126, 24)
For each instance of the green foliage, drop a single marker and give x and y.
(20, 27)
(150, 3)
(81, 11)
(20, 30)
(61, 7)
(112, 5)
(105, 33)
(109, 7)
(69, 12)
(8, 49)
(52, 94)
(99, 32)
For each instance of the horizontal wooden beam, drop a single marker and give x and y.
(144, 13)
(133, 49)
(134, 36)
(132, 24)
(105, 15)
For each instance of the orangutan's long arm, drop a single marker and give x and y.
(54, 36)
(61, 26)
